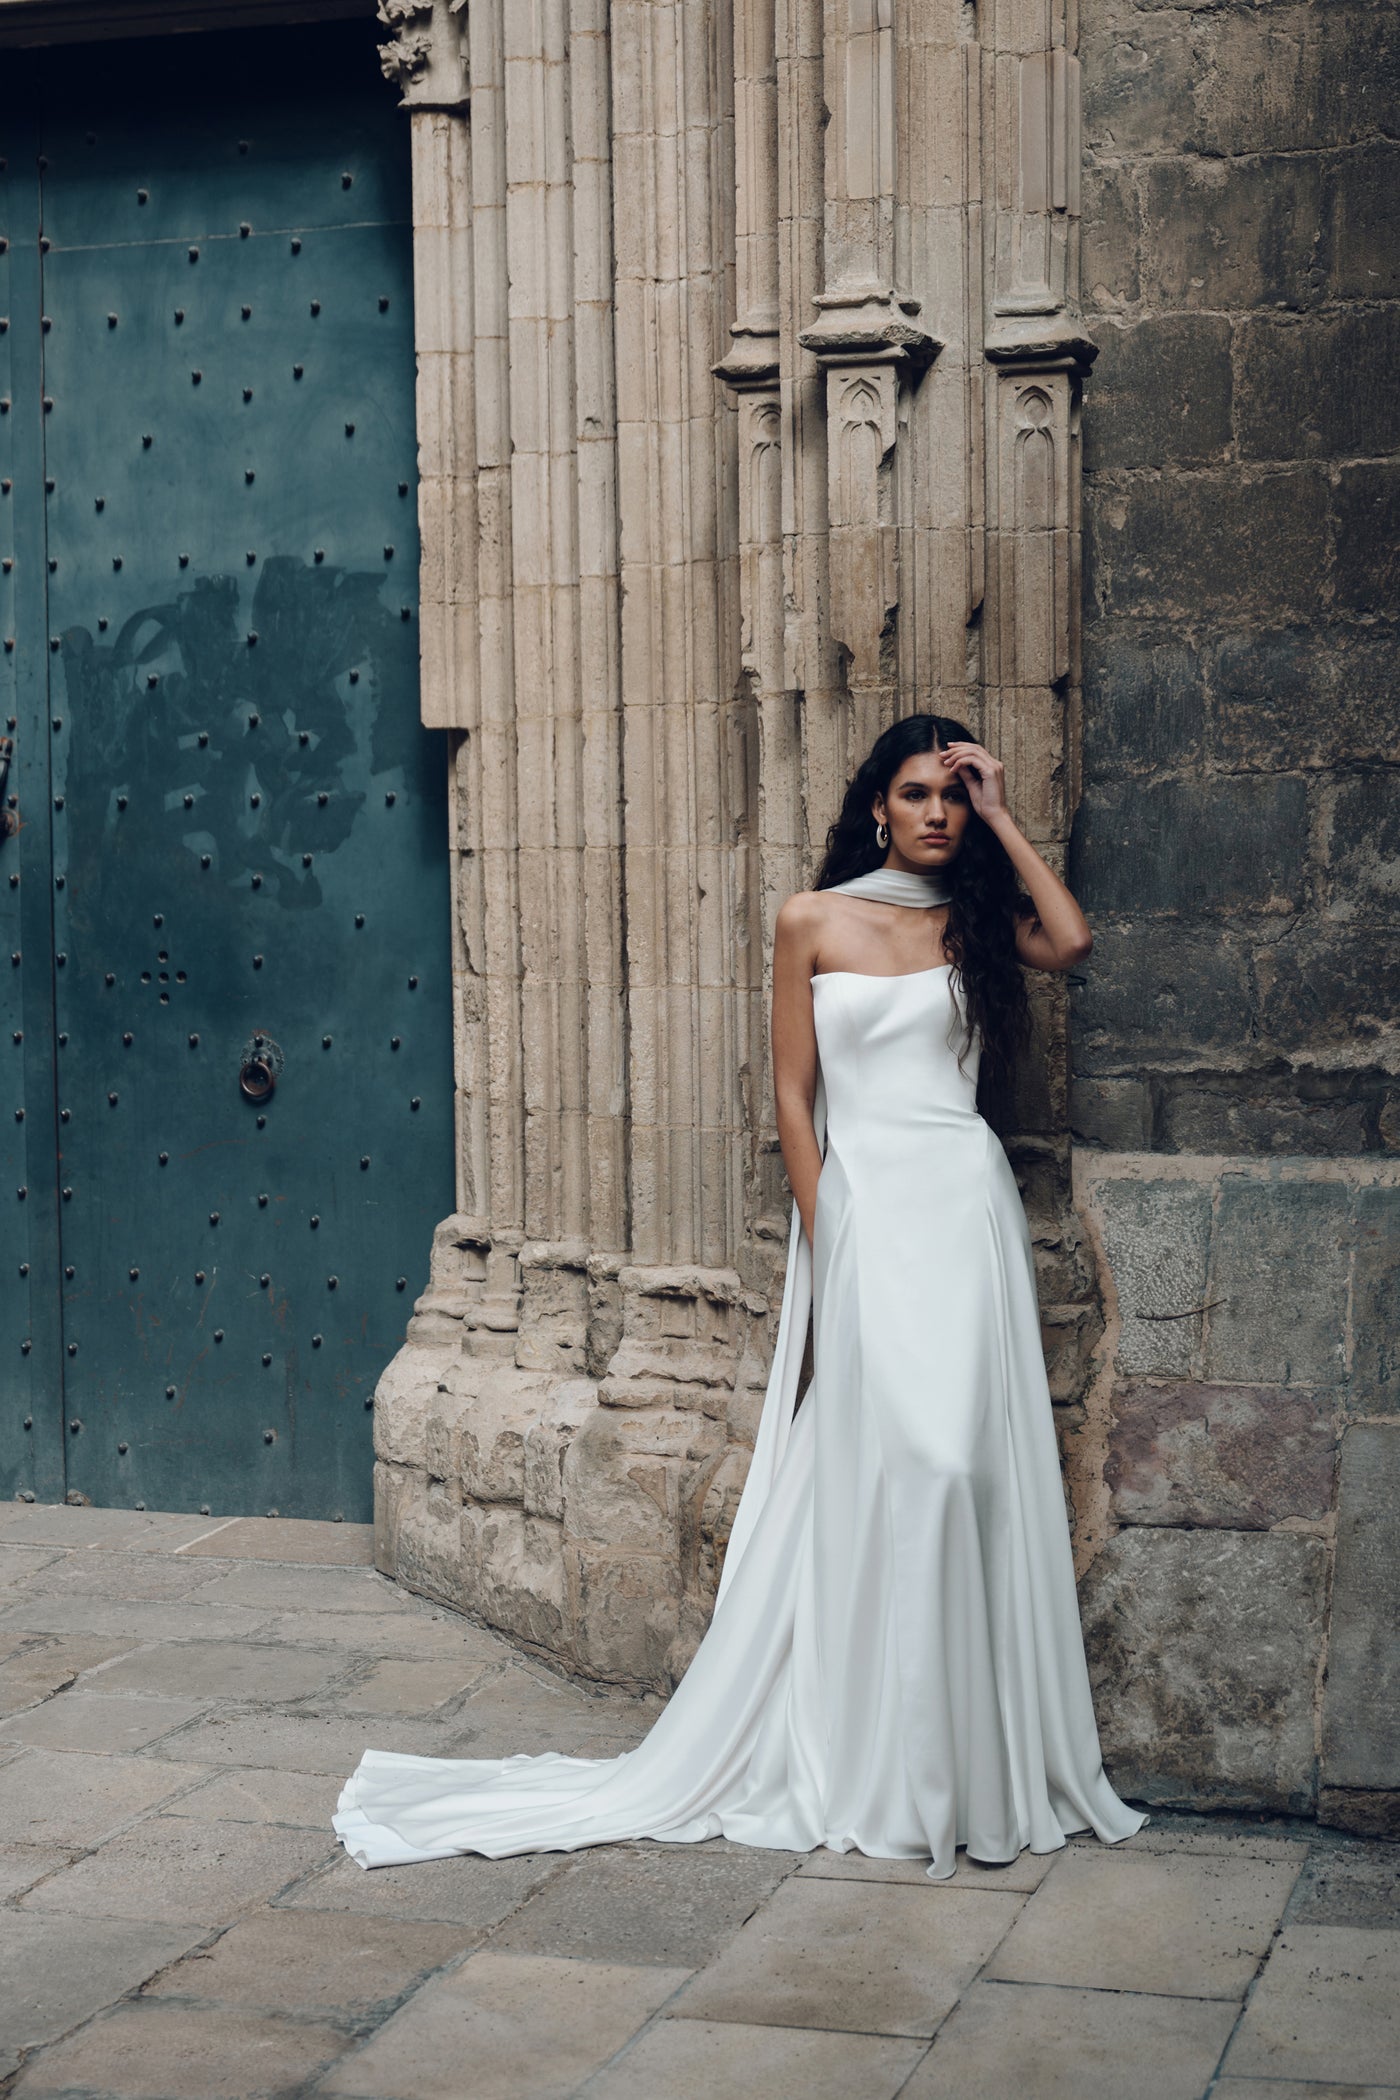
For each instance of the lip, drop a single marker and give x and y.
(933, 838)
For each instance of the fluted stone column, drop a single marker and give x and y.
(746, 425)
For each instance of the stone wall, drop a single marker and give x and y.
(1236, 1060)
(752, 356)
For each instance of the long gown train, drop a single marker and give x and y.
(895, 1662)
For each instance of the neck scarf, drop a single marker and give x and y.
(897, 886)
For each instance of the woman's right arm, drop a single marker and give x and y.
(795, 1049)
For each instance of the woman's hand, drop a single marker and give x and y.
(983, 776)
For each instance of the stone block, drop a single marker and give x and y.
(1326, 2008)
(1153, 995)
(147, 2050)
(1339, 987)
(1236, 844)
(422, 1520)
(405, 1399)
(1366, 502)
(852, 1955)
(698, 2059)
(1278, 1111)
(1375, 1317)
(510, 1572)
(316, 1594)
(307, 1961)
(1109, 235)
(1363, 861)
(1238, 1456)
(1156, 1239)
(1141, 86)
(1243, 543)
(1365, 252)
(1231, 235)
(629, 1476)
(1144, 700)
(303, 1541)
(524, 2023)
(36, 1666)
(1062, 2044)
(677, 1905)
(393, 1687)
(1159, 394)
(1324, 386)
(1203, 1650)
(553, 1310)
(1279, 1269)
(1212, 1920)
(1361, 1703)
(1290, 696)
(547, 1442)
(1270, 77)
(625, 1612)
(58, 1972)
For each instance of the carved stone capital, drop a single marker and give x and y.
(751, 360)
(869, 324)
(426, 56)
(1044, 342)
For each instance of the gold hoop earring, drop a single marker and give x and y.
(882, 835)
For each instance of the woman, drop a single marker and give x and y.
(895, 1663)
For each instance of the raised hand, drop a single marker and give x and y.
(983, 776)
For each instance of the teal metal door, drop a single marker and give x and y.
(225, 990)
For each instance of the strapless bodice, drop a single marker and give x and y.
(889, 1052)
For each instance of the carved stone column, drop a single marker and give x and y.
(870, 340)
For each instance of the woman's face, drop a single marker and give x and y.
(927, 810)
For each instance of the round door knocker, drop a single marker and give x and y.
(260, 1067)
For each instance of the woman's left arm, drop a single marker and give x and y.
(1058, 936)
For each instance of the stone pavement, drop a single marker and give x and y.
(180, 1699)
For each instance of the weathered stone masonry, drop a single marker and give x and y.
(751, 361)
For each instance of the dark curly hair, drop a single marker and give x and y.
(987, 897)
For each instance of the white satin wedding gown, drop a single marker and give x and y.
(895, 1662)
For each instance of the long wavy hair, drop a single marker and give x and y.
(987, 897)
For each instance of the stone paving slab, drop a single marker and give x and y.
(320, 1742)
(59, 1524)
(855, 1955)
(134, 1621)
(260, 1794)
(275, 1586)
(147, 2050)
(477, 1893)
(1192, 1926)
(418, 1636)
(1327, 2006)
(55, 1972)
(705, 2059)
(22, 1865)
(1348, 1886)
(109, 1727)
(38, 1665)
(70, 1798)
(1005, 2039)
(1020, 1875)
(184, 1721)
(528, 2027)
(155, 1871)
(390, 1687)
(234, 1670)
(323, 1961)
(289, 1539)
(632, 1904)
(108, 1572)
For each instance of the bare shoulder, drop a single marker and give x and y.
(804, 915)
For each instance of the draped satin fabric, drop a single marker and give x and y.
(895, 1662)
